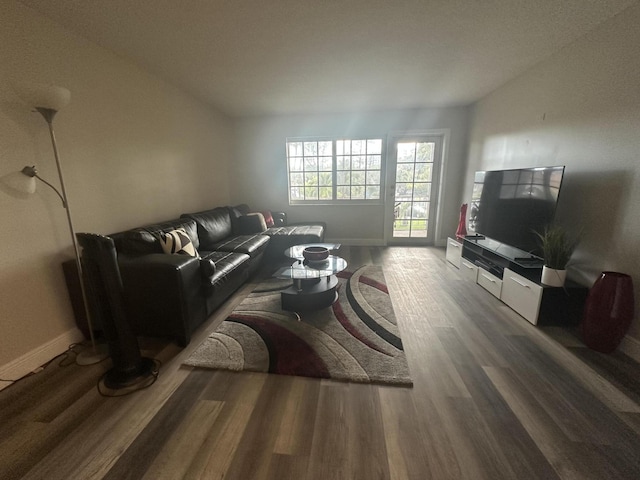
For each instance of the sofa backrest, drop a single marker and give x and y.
(143, 240)
(213, 226)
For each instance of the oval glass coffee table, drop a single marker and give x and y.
(314, 283)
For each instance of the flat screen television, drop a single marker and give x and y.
(511, 205)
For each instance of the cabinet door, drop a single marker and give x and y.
(454, 252)
(521, 295)
(469, 270)
(489, 282)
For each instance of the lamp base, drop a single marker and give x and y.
(117, 379)
(92, 355)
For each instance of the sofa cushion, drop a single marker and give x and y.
(144, 240)
(225, 264)
(177, 242)
(241, 209)
(235, 213)
(285, 237)
(212, 226)
(137, 241)
(251, 223)
(252, 245)
(313, 232)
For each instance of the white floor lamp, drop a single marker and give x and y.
(47, 100)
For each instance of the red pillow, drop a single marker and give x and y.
(268, 218)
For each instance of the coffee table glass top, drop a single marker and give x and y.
(296, 250)
(301, 269)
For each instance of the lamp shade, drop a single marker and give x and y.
(42, 95)
(18, 182)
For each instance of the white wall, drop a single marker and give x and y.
(134, 150)
(260, 173)
(581, 108)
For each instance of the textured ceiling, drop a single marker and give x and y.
(306, 56)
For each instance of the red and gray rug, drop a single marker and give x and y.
(357, 339)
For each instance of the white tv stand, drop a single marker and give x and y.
(513, 276)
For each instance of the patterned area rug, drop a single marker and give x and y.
(356, 339)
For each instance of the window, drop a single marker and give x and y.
(335, 170)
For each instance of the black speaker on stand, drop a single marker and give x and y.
(106, 303)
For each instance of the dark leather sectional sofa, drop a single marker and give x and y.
(170, 295)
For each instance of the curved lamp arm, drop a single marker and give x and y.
(32, 172)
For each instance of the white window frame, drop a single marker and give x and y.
(334, 171)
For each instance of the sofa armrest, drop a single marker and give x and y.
(304, 224)
(251, 223)
(163, 294)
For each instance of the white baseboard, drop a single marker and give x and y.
(360, 242)
(631, 347)
(37, 357)
(371, 242)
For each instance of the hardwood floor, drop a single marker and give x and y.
(493, 397)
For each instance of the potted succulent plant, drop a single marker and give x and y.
(557, 248)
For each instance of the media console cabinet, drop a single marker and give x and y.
(513, 276)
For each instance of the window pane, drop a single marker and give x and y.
(374, 162)
(358, 147)
(343, 178)
(311, 179)
(404, 191)
(343, 193)
(404, 172)
(344, 163)
(311, 163)
(296, 193)
(297, 179)
(357, 177)
(311, 193)
(421, 191)
(424, 172)
(325, 164)
(406, 152)
(325, 193)
(358, 163)
(418, 228)
(425, 152)
(325, 178)
(343, 147)
(403, 209)
(295, 164)
(373, 178)
(325, 148)
(357, 192)
(374, 146)
(310, 148)
(295, 149)
(373, 193)
(419, 210)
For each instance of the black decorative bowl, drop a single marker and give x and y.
(315, 254)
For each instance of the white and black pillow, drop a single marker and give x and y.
(177, 242)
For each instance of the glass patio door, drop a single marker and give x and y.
(412, 189)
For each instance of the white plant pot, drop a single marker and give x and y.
(552, 277)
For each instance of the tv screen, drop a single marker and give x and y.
(511, 205)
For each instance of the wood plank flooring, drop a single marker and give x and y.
(493, 398)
